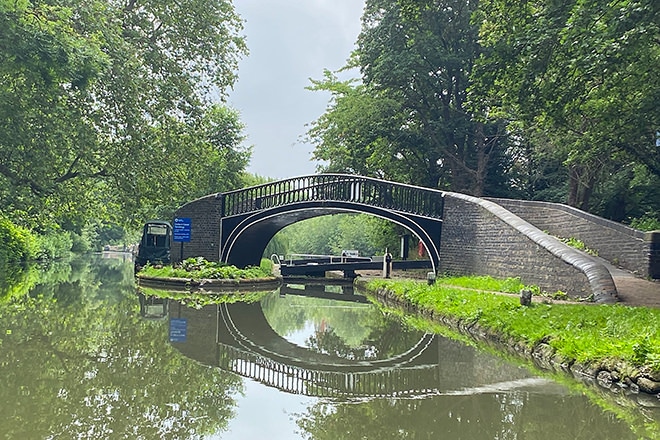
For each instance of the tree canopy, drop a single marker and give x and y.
(113, 110)
(407, 120)
(580, 78)
(540, 99)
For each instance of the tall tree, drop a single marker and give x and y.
(581, 78)
(112, 102)
(415, 61)
(361, 134)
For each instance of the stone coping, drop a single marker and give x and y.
(206, 284)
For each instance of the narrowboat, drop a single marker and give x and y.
(155, 244)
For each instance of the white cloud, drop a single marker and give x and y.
(290, 41)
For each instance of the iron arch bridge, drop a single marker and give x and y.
(236, 226)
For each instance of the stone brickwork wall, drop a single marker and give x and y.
(205, 229)
(617, 243)
(481, 237)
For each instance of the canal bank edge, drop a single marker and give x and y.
(617, 378)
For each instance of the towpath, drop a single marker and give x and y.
(633, 290)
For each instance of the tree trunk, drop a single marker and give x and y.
(482, 161)
(580, 186)
(573, 186)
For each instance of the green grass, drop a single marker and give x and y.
(586, 333)
(486, 283)
(198, 268)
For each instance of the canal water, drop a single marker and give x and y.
(84, 354)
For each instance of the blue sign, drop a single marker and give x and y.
(181, 229)
(178, 330)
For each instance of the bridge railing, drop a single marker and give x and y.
(335, 187)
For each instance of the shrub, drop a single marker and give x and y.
(198, 268)
(266, 265)
(54, 245)
(647, 222)
(18, 243)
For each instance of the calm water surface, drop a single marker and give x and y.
(84, 355)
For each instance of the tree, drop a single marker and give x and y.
(355, 134)
(581, 76)
(46, 70)
(412, 123)
(106, 109)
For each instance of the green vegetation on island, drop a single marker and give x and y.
(198, 268)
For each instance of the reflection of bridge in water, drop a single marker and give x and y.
(316, 382)
(238, 338)
(299, 370)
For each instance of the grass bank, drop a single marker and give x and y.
(623, 340)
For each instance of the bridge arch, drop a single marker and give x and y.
(236, 226)
(479, 236)
(249, 236)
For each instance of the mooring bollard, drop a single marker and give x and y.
(652, 238)
(387, 264)
(525, 297)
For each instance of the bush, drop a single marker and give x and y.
(198, 268)
(647, 222)
(80, 243)
(266, 265)
(18, 243)
(54, 245)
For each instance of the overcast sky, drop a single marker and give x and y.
(290, 41)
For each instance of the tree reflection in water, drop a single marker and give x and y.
(78, 361)
(517, 415)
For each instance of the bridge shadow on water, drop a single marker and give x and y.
(345, 347)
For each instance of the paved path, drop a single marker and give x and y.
(634, 291)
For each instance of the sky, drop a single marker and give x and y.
(290, 41)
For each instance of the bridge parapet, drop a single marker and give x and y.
(337, 188)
